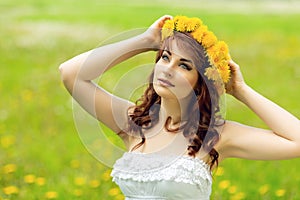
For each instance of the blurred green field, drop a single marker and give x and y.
(41, 154)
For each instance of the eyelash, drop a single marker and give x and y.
(185, 66)
(165, 57)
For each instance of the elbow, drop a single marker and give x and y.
(67, 71)
(64, 70)
(68, 75)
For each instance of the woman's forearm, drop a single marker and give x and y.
(280, 121)
(91, 64)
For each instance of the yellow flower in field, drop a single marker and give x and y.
(75, 164)
(114, 191)
(27, 95)
(238, 196)
(263, 189)
(9, 168)
(77, 192)
(224, 184)
(94, 183)
(7, 141)
(51, 195)
(280, 193)
(9, 190)
(232, 189)
(30, 178)
(106, 175)
(79, 181)
(119, 197)
(40, 181)
(220, 171)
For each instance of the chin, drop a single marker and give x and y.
(165, 92)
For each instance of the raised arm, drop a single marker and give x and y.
(78, 73)
(282, 141)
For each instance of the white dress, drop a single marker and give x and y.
(155, 176)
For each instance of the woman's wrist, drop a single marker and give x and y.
(149, 42)
(241, 92)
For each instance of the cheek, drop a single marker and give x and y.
(189, 81)
(156, 71)
(193, 81)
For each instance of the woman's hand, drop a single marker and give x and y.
(236, 82)
(153, 33)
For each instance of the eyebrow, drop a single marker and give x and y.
(181, 59)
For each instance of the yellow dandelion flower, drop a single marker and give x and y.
(208, 39)
(212, 73)
(27, 95)
(198, 33)
(94, 183)
(192, 24)
(280, 193)
(221, 50)
(9, 190)
(180, 23)
(219, 171)
(9, 168)
(106, 175)
(40, 181)
(79, 181)
(212, 51)
(232, 189)
(169, 24)
(75, 164)
(263, 189)
(167, 29)
(119, 197)
(30, 178)
(114, 191)
(77, 192)
(225, 74)
(224, 184)
(51, 195)
(7, 141)
(238, 196)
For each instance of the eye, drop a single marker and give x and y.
(165, 57)
(185, 66)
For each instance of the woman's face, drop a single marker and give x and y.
(175, 74)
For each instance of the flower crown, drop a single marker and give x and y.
(216, 51)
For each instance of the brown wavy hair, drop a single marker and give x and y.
(204, 117)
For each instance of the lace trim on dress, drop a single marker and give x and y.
(156, 167)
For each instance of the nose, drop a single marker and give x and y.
(168, 71)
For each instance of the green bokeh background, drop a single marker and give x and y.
(38, 136)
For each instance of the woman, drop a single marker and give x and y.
(175, 134)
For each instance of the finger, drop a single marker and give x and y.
(160, 22)
(233, 66)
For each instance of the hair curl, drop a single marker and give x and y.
(205, 116)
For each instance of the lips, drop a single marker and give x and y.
(165, 83)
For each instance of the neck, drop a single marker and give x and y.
(177, 110)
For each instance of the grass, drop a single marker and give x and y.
(42, 156)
